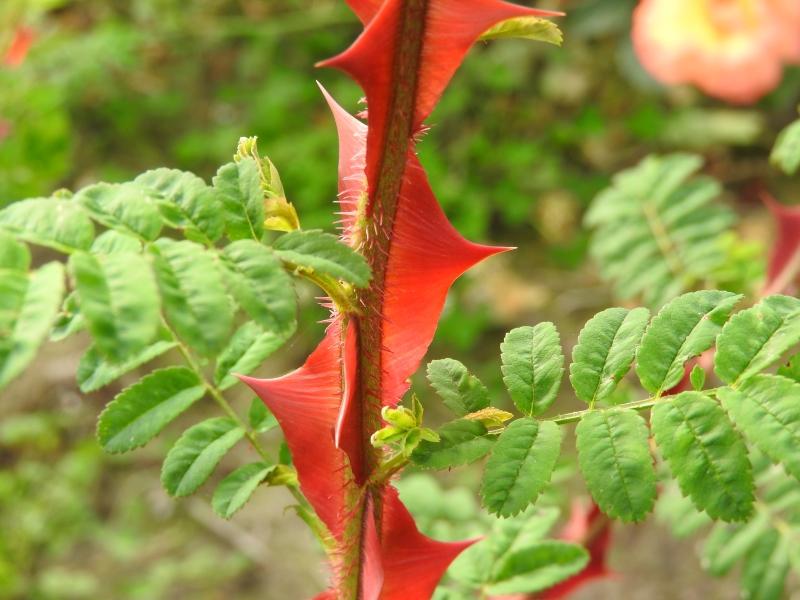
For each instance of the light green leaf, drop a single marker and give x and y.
(461, 443)
(528, 28)
(140, 412)
(766, 409)
(235, 490)
(239, 188)
(756, 338)
(614, 458)
(125, 206)
(323, 253)
(245, 352)
(605, 350)
(117, 296)
(14, 255)
(697, 377)
(705, 454)
(729, 543)
(683, 329)
(462, 392)
(59, 224)
(69, 319)
(112, 242)
(29, 304)
(791, 369)
(95, 372)
(537, 567)
(259, 283)
(187, 203)
(195, 455)
(194, 296)
(765, 568)
(520, 465)
(259, 417)
(786, 152)
(533, 365)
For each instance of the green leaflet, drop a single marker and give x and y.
(113, 242)
(239, 187)
(245, 352)
(14, 255)
(791, 369)
(786, 152)
(529, 28)
(462, 392)
(323, 253)
(461, 443)
(196, 454)
(59, 224)
(186, 202)
(537, 567)
(194, 297)
(705, 454)
(766, 568)
(117, 296)
(683, 329)
(235, 490)
(140, 412)
(657, 228)
(259, 418)
(757, 337)
(615, 460)
(520, 465)
(125, 206)
(678, 513)
(766, 409)
(259, 283)
(605, 350)
(69, 319)
(533, 365)
(95, 372)
(29, 304)
(729, 543)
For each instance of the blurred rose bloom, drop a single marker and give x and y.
(731, 49)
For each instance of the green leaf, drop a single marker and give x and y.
(605, 351)
(756, 338)
(95, 372)
(258, 281)
(697, 377)
(113, 242)
(59, 224)
(528, 28)
(29, 304)
(533, 365)
(537, 567)
(462, 392)
(195, 455)
(461, 443)
(140, 412)
(259, 417)
(117, 296)
(194, 296)
(683, 329)
(235, 490)
(14, 255)
(766, 409)
(69, 319)
(239, 187)
(614, 458)
(791, 369)
(125, 206)
(520, 465)
(323, 253)
(728, 543)
(245, 352)
(786, 152)
(705, 454)
(766, 568)
(186, 203)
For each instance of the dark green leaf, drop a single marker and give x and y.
(323, 253)
(533, 365)
(235, 490)
(461, 391)
(245, 352)
(461, 442)
(140, 412)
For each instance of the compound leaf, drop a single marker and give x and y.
(533, 365)
(245, 352)
(614, 458)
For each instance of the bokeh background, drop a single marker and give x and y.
(524, 138)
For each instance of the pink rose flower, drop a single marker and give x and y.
(731, 49)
